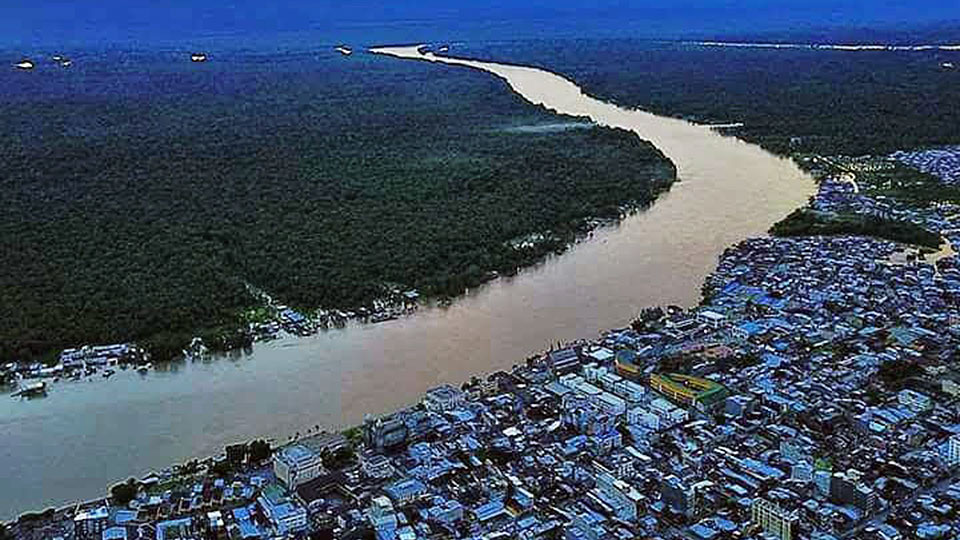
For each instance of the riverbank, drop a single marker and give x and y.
(660, 256)
(779, 313)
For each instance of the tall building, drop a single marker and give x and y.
(846, 488)
(383, 518)
(773, 519)
(620, 496)
(802, 471)
(953, 451)
(822, 480)
(564, 361)
(284, 514)
(376, 465)
(581, 414)
(385, 433)
(91, 523)
(679, 496)
(296, 465)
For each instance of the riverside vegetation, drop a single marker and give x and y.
(827, 102)
(141, 198)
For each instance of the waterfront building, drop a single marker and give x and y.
(385, 433)
(564, 361)
(628, 365)
(296, 465)
(712, 318)
(772, 519)
(443, 398)
(90, 524)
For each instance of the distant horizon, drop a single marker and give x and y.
(115, 23)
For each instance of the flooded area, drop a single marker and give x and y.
(85, 435)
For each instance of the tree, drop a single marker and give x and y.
(237, 453)
(260, 451)
(123, 493)
(223, 468)
(339, 458)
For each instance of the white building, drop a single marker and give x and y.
(284, 514)
(822, 481)
(620, 496)
(714, 319)
(91, 523)
(669, 414)
(772, 519)
(593, 373)
(950, 386)
(629, 391)
(376, 466)
(443, 398)
(611, 404)
(802, 471)
(296, 465)
(383, 518)
(914, 400)
(953, 450)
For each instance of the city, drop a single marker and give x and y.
(809, 396)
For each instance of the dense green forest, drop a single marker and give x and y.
(805, 222)
(141, 194)
(836, 102)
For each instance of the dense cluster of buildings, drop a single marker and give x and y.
(814, 394)
(77, 363)
(944, 163)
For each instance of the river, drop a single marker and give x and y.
(87, 435)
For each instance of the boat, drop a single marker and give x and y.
(58, 58)
(948, 65)
(144, 368)
(32, 390)
(66, 63)
(108, 373)
(25, 65)
(198, 57)
(344, 50)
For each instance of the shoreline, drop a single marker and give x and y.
(284, 322)
(674, 204)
